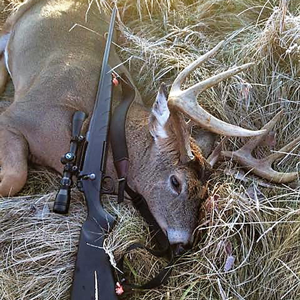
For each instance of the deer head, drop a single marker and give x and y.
(176, 171)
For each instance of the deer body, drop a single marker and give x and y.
(55, 68)
(55, 75)
(52, 76)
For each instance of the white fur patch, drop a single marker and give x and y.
(3, 48)
(160, 132)
(177, 236)
(6, 61)
(3, 42)
(160, 110)
(160, 115)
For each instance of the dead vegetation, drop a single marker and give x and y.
(248, 239)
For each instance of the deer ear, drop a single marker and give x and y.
(159, 114)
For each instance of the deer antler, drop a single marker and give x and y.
(263, 167)
(185, 101)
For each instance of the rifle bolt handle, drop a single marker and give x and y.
(91, 176)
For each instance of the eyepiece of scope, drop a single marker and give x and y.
(78, 119)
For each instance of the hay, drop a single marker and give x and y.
(248, 239)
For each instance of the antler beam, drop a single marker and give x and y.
(263, 167)
(185, 101)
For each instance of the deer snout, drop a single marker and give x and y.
(179, 236)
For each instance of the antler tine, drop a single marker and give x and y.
(284, 150)
(195, 112)
(263, 167)
(214, 156)
(212, 81)
(250, 145)
(190, 68)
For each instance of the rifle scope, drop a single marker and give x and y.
(69, 160)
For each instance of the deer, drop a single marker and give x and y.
(53, 50)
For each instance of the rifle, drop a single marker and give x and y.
(93, 275)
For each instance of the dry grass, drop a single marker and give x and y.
(245, 219)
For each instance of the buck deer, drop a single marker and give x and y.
(55, 66)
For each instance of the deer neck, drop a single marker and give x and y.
(138, 141)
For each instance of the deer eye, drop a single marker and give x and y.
(175, 184)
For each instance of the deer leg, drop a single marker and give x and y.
(13, 160)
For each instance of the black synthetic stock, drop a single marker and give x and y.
(93, 277)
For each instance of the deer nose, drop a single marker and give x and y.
(178, 236)
(178, 249)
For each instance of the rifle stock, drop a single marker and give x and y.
(93, 277)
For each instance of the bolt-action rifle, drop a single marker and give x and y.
(93, 275)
